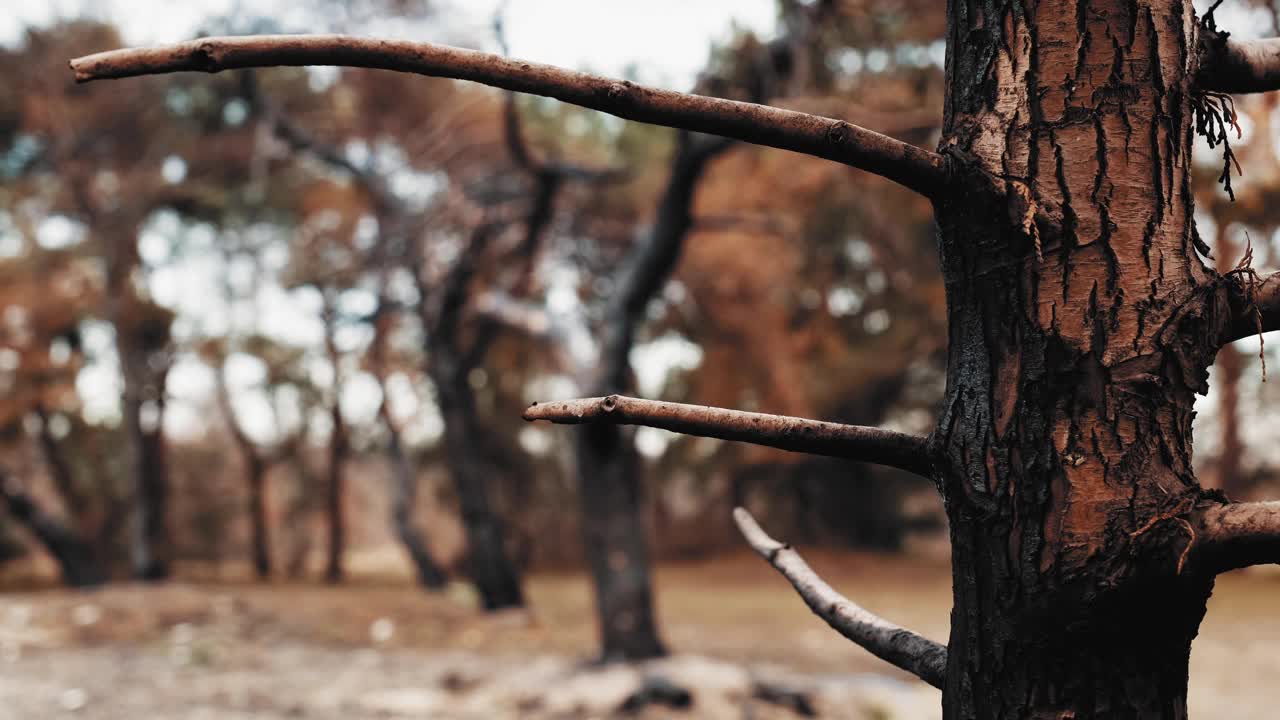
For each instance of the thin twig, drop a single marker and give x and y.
(892, 643)
(853, 442)
(916, 168)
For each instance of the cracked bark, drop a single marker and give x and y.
(1065, 440)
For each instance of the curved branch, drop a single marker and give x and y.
(1252, 311)
(894, 644)
(1236, 535)
(1235, 66)
(852, 442)
(916, 168)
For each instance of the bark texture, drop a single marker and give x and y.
(1076, 348)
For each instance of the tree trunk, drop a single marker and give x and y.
(336, 518)
(608, 466)
(615, 544)
(255, 475)
(403, 495)
(152, 548)
(494, 576)
(1064, 447)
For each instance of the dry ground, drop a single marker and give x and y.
(379, 648)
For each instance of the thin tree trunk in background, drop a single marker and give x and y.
(260, 540)
(334, 511)
(335, 514)
(299, 516)
(404, 493)
(154, 501)
(255, 472)
(117, 237)
(1229, 367)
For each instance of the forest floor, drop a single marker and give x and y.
(377, 647)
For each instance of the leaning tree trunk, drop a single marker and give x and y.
(1076, 351)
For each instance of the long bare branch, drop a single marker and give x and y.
(894, 644)
(1254, 306)
(914, 167)
(1236, 535)
(1235, 66)
(853, 442)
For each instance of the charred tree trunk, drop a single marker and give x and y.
(1076, 350)
(143, 413)
(488, 563)
(334, 515)
(76, 560)
(449, 365)
(154, 500)
(608, 465)
(259, 539)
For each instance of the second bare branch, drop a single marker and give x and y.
(853, 442)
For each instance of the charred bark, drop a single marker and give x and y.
(449, 364)
(607, 463)
(1076, 349)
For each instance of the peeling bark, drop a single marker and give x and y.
(1064, 447)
